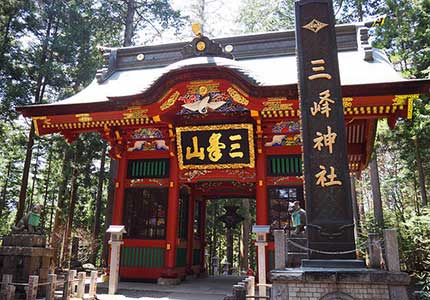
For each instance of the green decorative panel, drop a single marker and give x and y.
(271, 260)
(148, 168)
(287, 165)
(181, 257)
(196, 256)
(137, 257)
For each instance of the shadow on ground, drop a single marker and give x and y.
(211, 288)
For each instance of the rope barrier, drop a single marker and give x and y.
(320, 251)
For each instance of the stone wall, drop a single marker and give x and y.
(325, 291)
(338, 284)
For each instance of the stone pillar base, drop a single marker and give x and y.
(168, 281)
(22, 255)
(338, 284)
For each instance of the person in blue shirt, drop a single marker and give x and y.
(298, 218)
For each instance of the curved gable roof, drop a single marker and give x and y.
(261, 61)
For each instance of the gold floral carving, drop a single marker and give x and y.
(169, 102)
(315, 25)
(347, 102)
(237, 97)
(202, 87)
(275, 104)
(410, 108)
(240, 90)
(135, 113)
(401, 100)
(249, 127)
(84, 117)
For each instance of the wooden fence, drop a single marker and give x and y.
(72, 285)
(245, 289)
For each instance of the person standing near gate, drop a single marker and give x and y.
(298, 218)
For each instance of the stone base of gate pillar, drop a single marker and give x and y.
(338, 284)
(168, 281)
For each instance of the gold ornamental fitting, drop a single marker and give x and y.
(200, 46)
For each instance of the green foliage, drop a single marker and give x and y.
(151, 18)
(406, 35)
(261, 15)
(48, 52)
(348, 11)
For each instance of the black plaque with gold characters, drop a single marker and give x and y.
(327, 185)
(215, 146)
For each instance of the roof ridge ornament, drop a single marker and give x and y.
(109, 63)
(203, 46)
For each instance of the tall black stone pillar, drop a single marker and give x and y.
(330, 225)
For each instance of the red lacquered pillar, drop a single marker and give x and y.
(262, 210)
(119, 192)
(172, 218)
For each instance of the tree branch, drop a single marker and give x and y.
(149, 22)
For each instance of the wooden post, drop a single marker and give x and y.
(10, 292)
(279, 236)
(392, 250)
(50, 290)
(72, 282)
(376, 192)
(67, 288)
(374, 251)
(239, 292)
(93, 284)
(81, 285)
(6, 279)
(251, 286)
(261, 250)
(32, 287)
(245, 283)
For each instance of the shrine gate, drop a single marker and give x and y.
(188, 122)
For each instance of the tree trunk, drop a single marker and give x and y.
(113, 168)
(246, 225)
(72, 203)
(56, 235)
(33, 184)
(98, 208)
(355, 210)
(45, 198)
(129, 25)
(376, 192)
(52, 213)
(4, 193)
(360, 202)
(6, 38)
(229, 238)
(421, 176)
(25, 173)
(40, 88)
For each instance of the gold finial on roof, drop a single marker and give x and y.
(197, 29)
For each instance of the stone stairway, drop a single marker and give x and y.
(296, 254)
